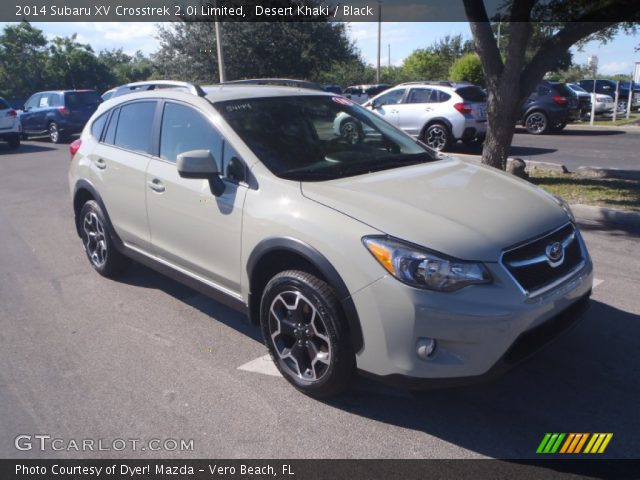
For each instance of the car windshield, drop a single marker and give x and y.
(320, 137)
(576, 88)
(472, 94)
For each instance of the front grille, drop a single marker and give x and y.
(532, 268)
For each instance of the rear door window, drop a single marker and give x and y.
(135, 125)
(98, 125)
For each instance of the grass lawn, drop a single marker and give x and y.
(601, 192)
(634, 119)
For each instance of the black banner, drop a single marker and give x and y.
(318, 469)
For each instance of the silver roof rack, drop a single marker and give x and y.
(158, 84)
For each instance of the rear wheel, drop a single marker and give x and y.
(306, 335)
(437, 136)
(351, 131)
(98, 245)
(54, 132)
(536, 123)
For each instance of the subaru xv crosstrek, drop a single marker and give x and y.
(379, 257)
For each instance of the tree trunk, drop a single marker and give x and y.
(503, 110)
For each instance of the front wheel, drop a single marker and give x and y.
(536, 123)
(54, 133)
(306, 335)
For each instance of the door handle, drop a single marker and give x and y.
(428, 109)
(100, 163)
(156, 185)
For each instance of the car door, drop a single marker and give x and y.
(419, 105)
(118, 169)
(386, 105)
(28, 115)
(192, 228)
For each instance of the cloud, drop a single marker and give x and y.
(612, 68)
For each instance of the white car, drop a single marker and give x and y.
(10, 126)
(604, 103)
(438, 113)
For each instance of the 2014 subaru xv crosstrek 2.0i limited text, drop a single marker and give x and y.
(376, 256)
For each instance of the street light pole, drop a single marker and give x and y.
(592, 61)
(218, 28)
(379, 37)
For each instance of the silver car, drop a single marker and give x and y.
(438, 113)
(377, 256)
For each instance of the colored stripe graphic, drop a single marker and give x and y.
(574, 442)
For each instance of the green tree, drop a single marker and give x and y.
(467, 68)
(23, 57)
(424, 65)
(510, 80)
(253, 49)
(126, 68)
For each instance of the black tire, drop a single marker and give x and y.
(351, 131)
(14, 142)
(558, 127)
(315, 327)
(55, 135)
(97, 240)
(437, 136)
(537, 123)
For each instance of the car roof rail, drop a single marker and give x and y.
(159, 84)
(281, 82)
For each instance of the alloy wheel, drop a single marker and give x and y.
(95, 240)
(54, 134)
(300, 336)
(536, 123)
(437, 137)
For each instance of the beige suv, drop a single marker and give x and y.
(378, 257)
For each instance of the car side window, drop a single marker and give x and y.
(390, 98)
(184, 129)
(44, 101)
(110, 135)
(422, 95)
(54, 100)
(32, 102)
(233, 168)
(135, 122)
(98, 126)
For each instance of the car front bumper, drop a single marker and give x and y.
(480, 331)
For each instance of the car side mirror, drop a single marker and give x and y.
(200, 164)
(374, 105)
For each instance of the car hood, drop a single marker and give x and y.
(461, 209)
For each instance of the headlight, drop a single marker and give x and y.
(424, 269)
(565, 206)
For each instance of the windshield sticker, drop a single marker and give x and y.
(342, 101)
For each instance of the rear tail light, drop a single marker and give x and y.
(64, 111)
(75, 146)
(462, 107)
(12, 113)
(560, 100)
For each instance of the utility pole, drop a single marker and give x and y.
(592, 61)
(379, 37)
(389, 64)
(218, 27)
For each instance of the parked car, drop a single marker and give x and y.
(10, 127)
(379, 256)
(438, 113)
(58, 114)
(362, 93)
(603, 103)
(333, 89)
(549, 108)
(608, 87)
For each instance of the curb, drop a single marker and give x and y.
(607, 216)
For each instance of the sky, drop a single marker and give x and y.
(400, 39)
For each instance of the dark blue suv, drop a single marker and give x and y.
(549, 108)
(58, 114)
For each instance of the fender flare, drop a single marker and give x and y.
(323, 265)
(84, 184)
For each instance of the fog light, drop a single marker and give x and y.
(425, 348)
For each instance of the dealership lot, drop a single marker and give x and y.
(146, 358)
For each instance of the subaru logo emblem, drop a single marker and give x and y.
(554, 253)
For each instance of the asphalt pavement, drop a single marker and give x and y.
(576, 146)
(86, 358)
